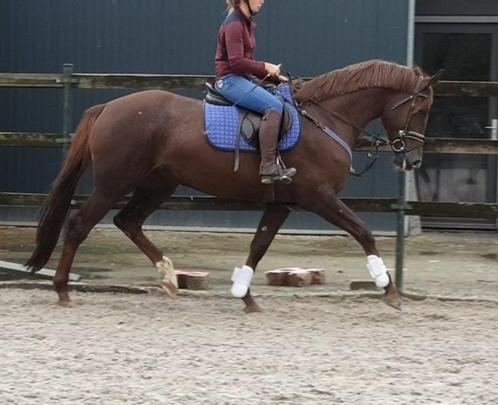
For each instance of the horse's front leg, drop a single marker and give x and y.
(273, 218)
(332, 209)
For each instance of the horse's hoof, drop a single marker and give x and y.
(64, 300)
(393, 300)
(65, 303)
(251, 305)
(249, 309)
(170, 289)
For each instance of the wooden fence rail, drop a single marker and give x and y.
(432, 145)
(432, 209)
(195, 82)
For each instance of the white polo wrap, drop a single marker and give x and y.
(167, 271)
(241, 278)
(378, 271)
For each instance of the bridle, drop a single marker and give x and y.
(398, 144)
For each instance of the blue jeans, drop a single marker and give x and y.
(247, 94)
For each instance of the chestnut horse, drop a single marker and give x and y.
(149, 142)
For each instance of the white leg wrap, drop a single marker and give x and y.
(378, 271)
(167, 271)
(241, 278)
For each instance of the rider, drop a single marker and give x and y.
(235, 67)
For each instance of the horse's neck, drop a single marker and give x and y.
(359, 108)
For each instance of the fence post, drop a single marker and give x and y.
(67, 112)
(400, 230)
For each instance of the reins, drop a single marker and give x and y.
(346, 121)
(376, 140)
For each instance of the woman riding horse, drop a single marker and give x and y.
(235, 66)
(149, 142)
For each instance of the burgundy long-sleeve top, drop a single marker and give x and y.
(236, 47)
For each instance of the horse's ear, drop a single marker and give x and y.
(435, 78)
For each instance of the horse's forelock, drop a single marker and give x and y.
(365, 75)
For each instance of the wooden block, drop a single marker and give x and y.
(299, 278)
(317, 276)
(192, 280)
(295, 276)
(277, 277)
(362, 285)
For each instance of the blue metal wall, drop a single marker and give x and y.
(178, 36)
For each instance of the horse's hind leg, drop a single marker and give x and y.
(273, 218)
(79, 225)
(332, 209)
(145, 200)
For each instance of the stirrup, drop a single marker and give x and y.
(281, 176)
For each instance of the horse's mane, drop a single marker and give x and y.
(364, 75)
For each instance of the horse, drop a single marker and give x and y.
(149, 142)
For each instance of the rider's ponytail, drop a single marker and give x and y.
(232, 4)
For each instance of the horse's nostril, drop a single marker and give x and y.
(417, 164)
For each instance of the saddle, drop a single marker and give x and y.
(236, 129)
(250, 121)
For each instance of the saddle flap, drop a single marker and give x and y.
(249, 127)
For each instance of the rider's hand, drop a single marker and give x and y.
(272, 70)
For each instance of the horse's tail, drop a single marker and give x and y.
(58, 201)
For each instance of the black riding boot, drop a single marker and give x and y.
(269, 169)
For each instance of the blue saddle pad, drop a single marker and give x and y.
(222, 125)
